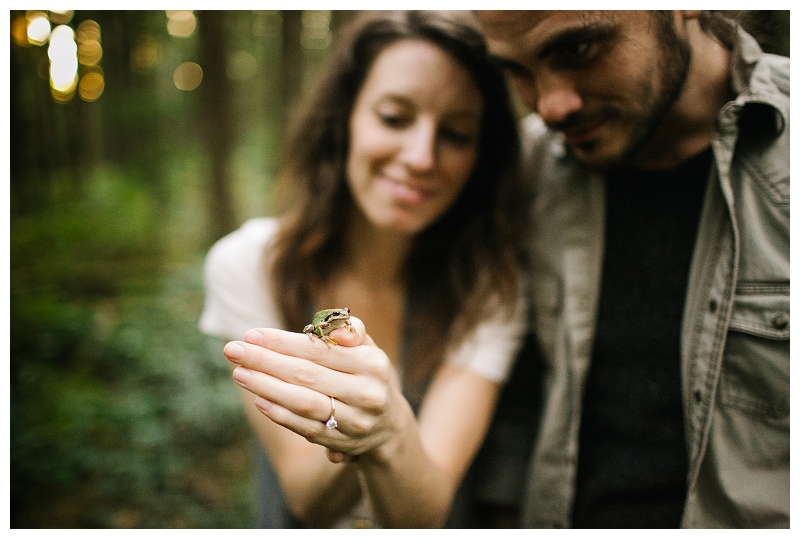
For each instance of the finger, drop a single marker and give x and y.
(312, 430)
(299, 409)
(335, 456)
(258, 358)
(300, 401)
(338, 457)
(346, 387)
(287, 342)
(341, 358)
(335, 441)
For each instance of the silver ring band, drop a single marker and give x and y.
(331, 423)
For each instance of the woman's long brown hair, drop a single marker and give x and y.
(461, 264)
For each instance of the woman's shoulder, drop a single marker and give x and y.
(241, 254)
(491, 348)
(245, 243)
(254, 232)
(237, 285)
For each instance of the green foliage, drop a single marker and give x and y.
(122, 413)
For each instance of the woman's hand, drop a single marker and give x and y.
(294, 378)
(409, 469)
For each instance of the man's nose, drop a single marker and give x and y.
(556, 99)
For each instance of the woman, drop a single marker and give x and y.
(399, 189)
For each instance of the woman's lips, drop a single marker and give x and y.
(407, 193)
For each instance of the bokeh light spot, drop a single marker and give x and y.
(19, 31)
(61, 17)
(145, 54)
(38, 30)
(91, 86)
(63, 54)
(62, 88)
(62, 97)
(316, 32)
(63, 33)
(88, 31)
(181, 23)
(187, 76)
(89, 52)
(242, 65)
(63, 76)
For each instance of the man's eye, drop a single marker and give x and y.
(578, 49)
(576, 52)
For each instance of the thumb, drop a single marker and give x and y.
(355, 336)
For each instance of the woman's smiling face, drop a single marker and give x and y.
(414, 134)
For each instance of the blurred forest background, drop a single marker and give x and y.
(137, 139)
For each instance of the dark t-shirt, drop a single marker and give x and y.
(632, 463)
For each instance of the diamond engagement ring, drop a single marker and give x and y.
(331, 423)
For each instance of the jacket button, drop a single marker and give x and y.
(781, 321)
(698, 397)
(712, 305)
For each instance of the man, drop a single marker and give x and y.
(660, 156)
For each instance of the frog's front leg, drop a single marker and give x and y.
(312, 331)
(351, 328)
(329, 341)
(321, 331)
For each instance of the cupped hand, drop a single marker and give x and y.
(294, 376)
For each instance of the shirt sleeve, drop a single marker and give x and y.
(237, 288)
(492, 348)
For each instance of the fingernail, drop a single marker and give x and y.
(233, 351)
(263, 404)
(241, 375)
(253, 336)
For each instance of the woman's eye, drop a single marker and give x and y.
(459, 138)
(393, 120)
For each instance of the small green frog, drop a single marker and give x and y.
(326, 321)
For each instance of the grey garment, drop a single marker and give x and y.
(735, 332)
(271, 510)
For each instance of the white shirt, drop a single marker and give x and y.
(239, 297)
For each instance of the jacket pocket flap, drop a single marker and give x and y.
(760, 313)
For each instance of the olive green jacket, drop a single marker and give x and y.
(735, 334)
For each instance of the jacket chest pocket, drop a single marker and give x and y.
(755, 370)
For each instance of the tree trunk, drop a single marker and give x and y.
(217, 113)
(291, 63)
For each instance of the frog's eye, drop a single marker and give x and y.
(338, 313)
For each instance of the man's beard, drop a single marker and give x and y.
(673, 68)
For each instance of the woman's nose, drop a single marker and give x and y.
(419, 146)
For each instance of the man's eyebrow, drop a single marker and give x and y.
(570, 36)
